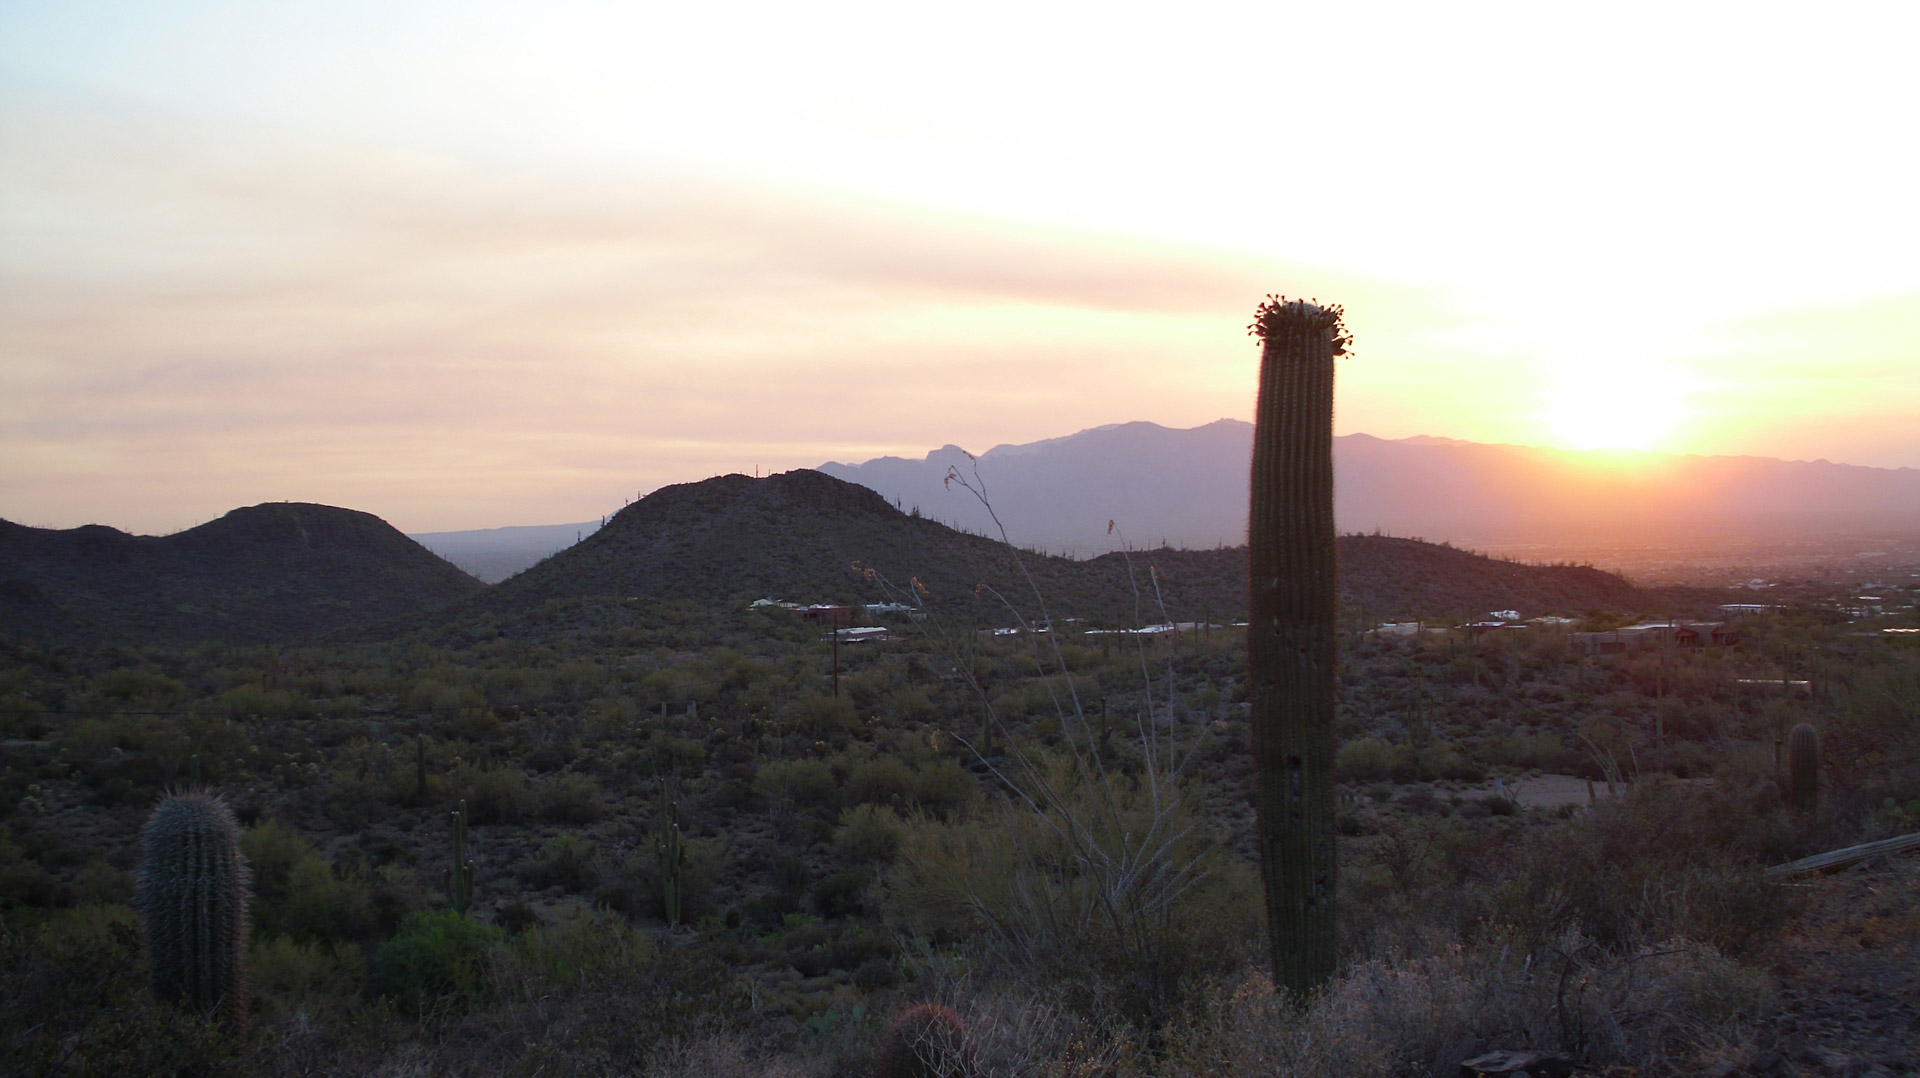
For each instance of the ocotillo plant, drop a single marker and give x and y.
(673, 858)
(194, 887)
(1803, 767)
(1291, 646)
(459, 878)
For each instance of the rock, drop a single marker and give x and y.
(1531, 1064)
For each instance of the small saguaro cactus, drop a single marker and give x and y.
(926, 1040)
(459, 878)
(673, 860)
(1291, 645)
(194, 886)
(1803, 767)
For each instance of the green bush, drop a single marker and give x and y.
(868, 833)
(1367, 759)
(566, 860)
(436, 958)
(943, 788)
(288, 976)
(797, 784)
(882, 780)
(822, 716)
(580, 944)
(493, 794)
(572, 798)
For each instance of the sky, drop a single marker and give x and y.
(475, 264)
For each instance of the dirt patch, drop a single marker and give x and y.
(1544, 791)
(1849, 973)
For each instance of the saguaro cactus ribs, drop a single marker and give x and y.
(194, 886)
(1291, 647)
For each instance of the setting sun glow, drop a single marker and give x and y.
(484, 263)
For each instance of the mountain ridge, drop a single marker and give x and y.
(277, 571)
(1188, 486)
(806, 536)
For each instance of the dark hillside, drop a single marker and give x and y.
(791, 536)
(796, 535)
(278, 571)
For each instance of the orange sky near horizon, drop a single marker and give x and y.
(486, 264)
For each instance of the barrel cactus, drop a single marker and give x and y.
(1290, 635)
(1803, 767)
(926, 1040)
(194, 886)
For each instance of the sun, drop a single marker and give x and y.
(1618, 405)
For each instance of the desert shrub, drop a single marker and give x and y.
(254, 699)
(1047, 895)
(944, 788)
(1427, 1013)
(631, 884)
(881, 780)
(75, 999)
(842, 894)
(1664, 861)
(566, 860)
(1366, 759)
(437, 958)
(572, 798)
(675, 755)
(289, 976)
(324, 903)
(579, 945)
(797, 784)
(868, 833)
(926, 1040)
(1442, 762)
(298, 893)
(822, 716)
(907, 705)
(493, 794)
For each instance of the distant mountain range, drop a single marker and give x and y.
(494, 554)
(289, 571)
(805, 536)
(274, 572)
(1189, 488)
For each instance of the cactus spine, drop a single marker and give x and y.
(194, 887)
(459, 878)
(1803, 767)
(673, 858)
(1291, 647)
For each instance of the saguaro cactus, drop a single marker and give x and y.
(459, 878)
(1803, 767)
(1291, 646)
(673, 859)
(194, 886)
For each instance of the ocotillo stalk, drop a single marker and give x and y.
(194, 886)
(1291, 647)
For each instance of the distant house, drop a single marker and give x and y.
(827, 614)
(1648, 634)
(865, 634)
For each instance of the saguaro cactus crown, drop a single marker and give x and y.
(194, 887)
(1290, 633)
